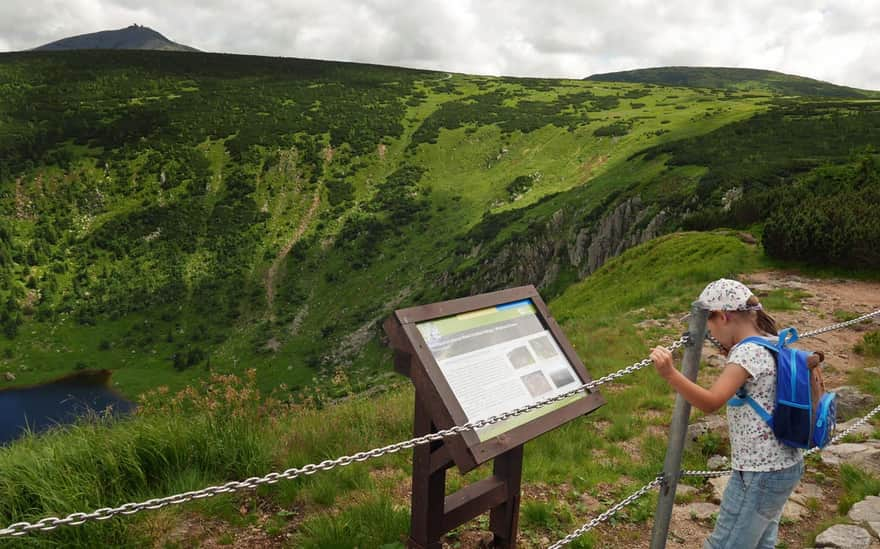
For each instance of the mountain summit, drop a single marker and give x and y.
(135, 37)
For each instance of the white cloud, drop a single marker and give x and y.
(829, 40)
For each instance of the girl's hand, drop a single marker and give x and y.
(663, 363)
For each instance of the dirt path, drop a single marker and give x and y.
(272, 273)
(825, 297)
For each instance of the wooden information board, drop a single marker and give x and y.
(470, 359)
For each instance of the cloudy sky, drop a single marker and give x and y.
(836, 41)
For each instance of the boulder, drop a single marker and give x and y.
(718, 462)
(716, 361)
(867, 512)
(844, 536)
(9, 376)
(851, 402)
(719, 484)
(747, 238)
(865, 429)
(794, 511)
(716, 424)
(684, 490)
(865, 455)
(805, 492)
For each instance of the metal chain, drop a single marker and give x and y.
(837, 438)
(50, 523)
(840, 325)
(846, 432)
(813, 333)
(608, 514)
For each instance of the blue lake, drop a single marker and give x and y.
(58, 402)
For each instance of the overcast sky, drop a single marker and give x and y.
(836, 41)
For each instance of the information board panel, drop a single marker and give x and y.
(475, 357)
(500, 358)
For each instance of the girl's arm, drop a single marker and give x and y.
(708, 400)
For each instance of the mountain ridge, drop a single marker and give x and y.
(734, 79)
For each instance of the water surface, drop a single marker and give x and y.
(58, 402)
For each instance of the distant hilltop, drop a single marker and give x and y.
(734, 79)
(135, 37)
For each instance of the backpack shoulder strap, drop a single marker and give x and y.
(762, 342)
(742, 398)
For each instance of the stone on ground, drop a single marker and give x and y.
(851, 401)
(867, 512)
(719, 484)
(701, 510)
(865, 455)
(844, 536)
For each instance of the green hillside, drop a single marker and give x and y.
(224, 430)
(171, 215)
(735, 79)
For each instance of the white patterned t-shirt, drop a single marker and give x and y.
(754, 447)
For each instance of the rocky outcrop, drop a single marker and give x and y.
(613, 234)
(569, 238)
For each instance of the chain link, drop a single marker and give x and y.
(840, 325)
(837, 438)
(813, 333)
(608, 514)
(50, 523)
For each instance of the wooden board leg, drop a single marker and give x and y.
(504, 519)
(428, 489)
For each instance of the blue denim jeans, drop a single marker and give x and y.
(751, 507)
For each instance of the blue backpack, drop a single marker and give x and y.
(804, 413)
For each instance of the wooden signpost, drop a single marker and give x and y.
(470, 359)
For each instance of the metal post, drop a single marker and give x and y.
(678, 428)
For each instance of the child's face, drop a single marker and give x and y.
(719, 326)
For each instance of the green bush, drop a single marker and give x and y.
(870, 344)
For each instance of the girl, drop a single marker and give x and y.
(765, 471)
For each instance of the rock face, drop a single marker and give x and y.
(533, 261)
(615, 233)
(844, 536)
(568, 239)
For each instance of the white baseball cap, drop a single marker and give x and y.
(727, 295)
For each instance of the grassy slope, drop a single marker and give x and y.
(467, 171)
(604, 455)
